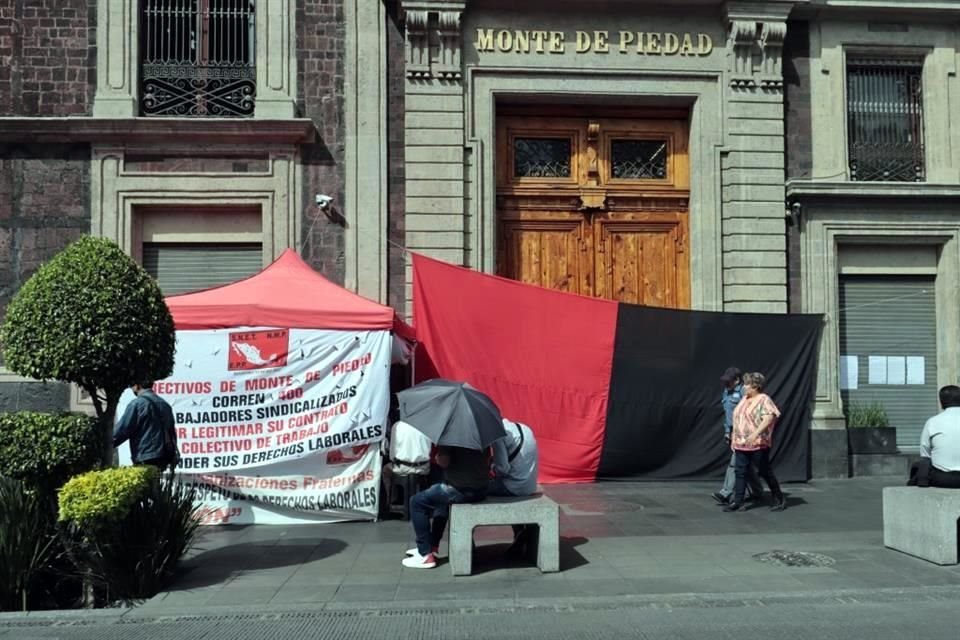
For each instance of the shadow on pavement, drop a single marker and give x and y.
(221, 564)
(491, 557)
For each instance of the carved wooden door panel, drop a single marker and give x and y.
(595, 206)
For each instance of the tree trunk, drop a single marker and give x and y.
(107, 420)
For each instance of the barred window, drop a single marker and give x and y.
(197, 58)
(885, 119)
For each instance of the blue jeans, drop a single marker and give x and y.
(430, 510)
(754, 488)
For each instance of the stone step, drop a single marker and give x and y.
(881, 464)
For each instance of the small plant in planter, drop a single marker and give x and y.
(869, 430)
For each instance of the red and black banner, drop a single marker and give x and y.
(613, 390)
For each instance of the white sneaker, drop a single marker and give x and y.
(420, 562)
(415, 552)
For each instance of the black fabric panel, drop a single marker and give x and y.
(664, 418)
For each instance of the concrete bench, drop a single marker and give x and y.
(537, 510)
(922, 521)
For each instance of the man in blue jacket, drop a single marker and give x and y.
(149, 426)
(730, 398)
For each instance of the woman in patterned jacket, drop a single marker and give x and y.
(753, 422)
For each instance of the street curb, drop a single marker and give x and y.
(80, 617)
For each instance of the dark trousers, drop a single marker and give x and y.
(924, 474)
(761, 460)
(430, 511)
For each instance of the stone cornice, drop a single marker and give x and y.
(762, 10)
(812, 189)
(149, 130)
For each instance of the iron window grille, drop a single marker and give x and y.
(885, 119)
(197, 58)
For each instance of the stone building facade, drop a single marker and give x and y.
(196, 135)
(530, 136)
(694, 154)
(873, 187)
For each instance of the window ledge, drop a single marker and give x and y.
(814, 189)
(208, 130)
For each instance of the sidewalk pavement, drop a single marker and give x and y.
(617, 540)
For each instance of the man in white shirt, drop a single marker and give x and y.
(408, 451)
(406, 454)
(939, 465)
(515, 468)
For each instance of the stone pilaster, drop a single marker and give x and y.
(434, 124)
(117, 60)
(276, 59)
(365, 114)
(754, 240)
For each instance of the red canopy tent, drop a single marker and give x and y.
(288, 293)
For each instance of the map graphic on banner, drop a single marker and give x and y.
(279, 425)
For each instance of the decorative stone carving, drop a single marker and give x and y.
(448, 28)
(741, 44)
(434, 40)
(417, 44)
(757, 29)
(772, 35)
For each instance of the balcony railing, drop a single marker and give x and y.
(197, 58)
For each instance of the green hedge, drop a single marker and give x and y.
(103, 498)
(126, 530)
(44, 450)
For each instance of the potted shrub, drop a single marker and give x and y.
(869, 430)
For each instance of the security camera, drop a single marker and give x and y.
(794, 211)
(323, 200)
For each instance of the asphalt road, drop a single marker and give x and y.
(930, 614)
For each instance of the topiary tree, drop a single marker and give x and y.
(91, 316)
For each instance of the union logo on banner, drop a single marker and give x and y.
(347, 455)
(258, 350)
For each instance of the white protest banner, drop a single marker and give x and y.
(332, 487)
(280, 425)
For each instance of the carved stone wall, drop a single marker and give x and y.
(433, 26)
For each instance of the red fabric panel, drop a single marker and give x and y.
(544, 356)
(288, 293)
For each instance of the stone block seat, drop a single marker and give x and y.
(922, 521)
(537, 510)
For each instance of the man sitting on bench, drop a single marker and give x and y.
(465, 480)
(515, 467)
(939, 464)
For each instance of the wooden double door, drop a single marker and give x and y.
(595, 206)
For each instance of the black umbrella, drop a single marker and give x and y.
(452, 414)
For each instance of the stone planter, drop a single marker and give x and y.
(872, 439)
